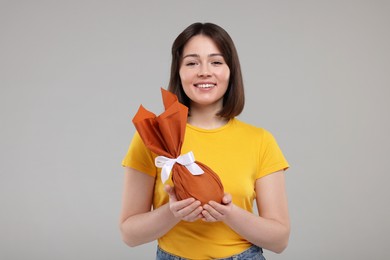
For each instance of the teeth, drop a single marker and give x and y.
(205, 85)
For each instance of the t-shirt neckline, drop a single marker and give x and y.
(218, 129)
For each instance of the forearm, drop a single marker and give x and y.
(266, 233)
(146, 227)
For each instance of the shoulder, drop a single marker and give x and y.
(251, 129)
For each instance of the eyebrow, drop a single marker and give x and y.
(197, 55)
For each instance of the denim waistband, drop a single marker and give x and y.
(252, 253)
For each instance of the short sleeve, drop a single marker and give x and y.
(271, 158)
(139, 157)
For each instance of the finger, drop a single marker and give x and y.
(227, 198)
(194, 215)
(207, 216)
(181, 204)
(188, 209)
(170, 190)
(171, 193)
(213, 209)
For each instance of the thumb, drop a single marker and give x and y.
(171, 192)
(227, 198)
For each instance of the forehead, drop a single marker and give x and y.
(200, 44)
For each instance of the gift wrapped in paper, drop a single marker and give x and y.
(164, 135)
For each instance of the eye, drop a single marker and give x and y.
(190, 63)
(217, 63)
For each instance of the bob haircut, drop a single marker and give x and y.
(234, 98)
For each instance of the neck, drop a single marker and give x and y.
(206, 118)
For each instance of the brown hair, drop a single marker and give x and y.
(234, 99)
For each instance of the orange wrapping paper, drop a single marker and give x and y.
(164, 135)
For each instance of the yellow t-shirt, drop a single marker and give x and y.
(239, 153)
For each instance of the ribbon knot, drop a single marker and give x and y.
(187, 160)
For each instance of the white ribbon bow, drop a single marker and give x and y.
(188, 160)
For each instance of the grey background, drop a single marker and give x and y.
(73, 73)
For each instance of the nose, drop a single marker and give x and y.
(204, 71)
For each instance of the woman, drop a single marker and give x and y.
(206, 77)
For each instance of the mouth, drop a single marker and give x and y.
(205, 85)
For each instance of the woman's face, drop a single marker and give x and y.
(203, 72)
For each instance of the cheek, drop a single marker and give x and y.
(185, 78)
(182, 75)
(224, 73)
(225, 76)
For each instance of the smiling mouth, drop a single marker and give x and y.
(204, 85)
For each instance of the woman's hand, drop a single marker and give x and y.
(214, 211)
(188, 209)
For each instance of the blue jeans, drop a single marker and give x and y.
(252, 253)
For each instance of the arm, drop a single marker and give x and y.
(140, 224)
(269, 230)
